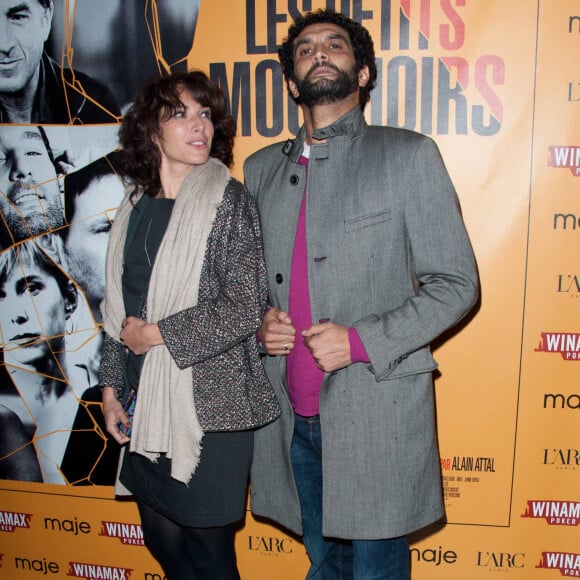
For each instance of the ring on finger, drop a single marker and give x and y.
(285, 346)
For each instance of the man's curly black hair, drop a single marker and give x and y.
(361, 41)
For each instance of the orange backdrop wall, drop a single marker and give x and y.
(497, 85)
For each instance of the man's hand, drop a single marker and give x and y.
(114, 414)
(328, 342)
(140, 336)
(277, 332)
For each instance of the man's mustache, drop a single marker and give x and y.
(320, 65)
(15, 191)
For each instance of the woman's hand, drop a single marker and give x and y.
(277, 332)
(140, 336)
(114, 416)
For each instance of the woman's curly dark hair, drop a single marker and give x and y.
(156, 102)
(361, 41)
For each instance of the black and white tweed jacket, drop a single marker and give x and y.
(217, 337)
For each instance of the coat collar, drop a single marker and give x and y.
(349, 125)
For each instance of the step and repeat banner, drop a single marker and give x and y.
(495, 83)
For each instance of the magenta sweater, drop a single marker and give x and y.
(303, 376)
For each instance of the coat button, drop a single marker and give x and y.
(279, 278)
(294, 179)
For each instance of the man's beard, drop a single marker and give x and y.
(46, 216)
(325, 91)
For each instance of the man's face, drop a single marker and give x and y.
(29, 192)
(24, 28)
(324, 65)
(88, 235)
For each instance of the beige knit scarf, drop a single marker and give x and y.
(165, 418)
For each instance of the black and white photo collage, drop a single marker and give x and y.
(68, 70)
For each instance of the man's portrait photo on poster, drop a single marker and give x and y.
(30, 197)
(35, 88)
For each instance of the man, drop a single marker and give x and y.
(33, 88)
(368, 262)
(92, 195)
(30, 201)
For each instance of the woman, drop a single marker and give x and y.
(185, 292)
(37, 300)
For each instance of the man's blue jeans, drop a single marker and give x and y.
(334, 559)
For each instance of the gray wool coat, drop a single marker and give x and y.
(387, 253)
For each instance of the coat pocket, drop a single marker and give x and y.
(358, 223)
(418, 362)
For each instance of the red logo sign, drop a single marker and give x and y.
(565, 343)
(96, 572)
(556, 513)
(131, 534)
(568, 564)
(9, 521)
(565, 156)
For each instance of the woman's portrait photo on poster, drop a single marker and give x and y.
(37, 300)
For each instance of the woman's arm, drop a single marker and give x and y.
(233, 305)
(112, 381)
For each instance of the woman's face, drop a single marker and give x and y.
(33, 314)
(185, 138)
